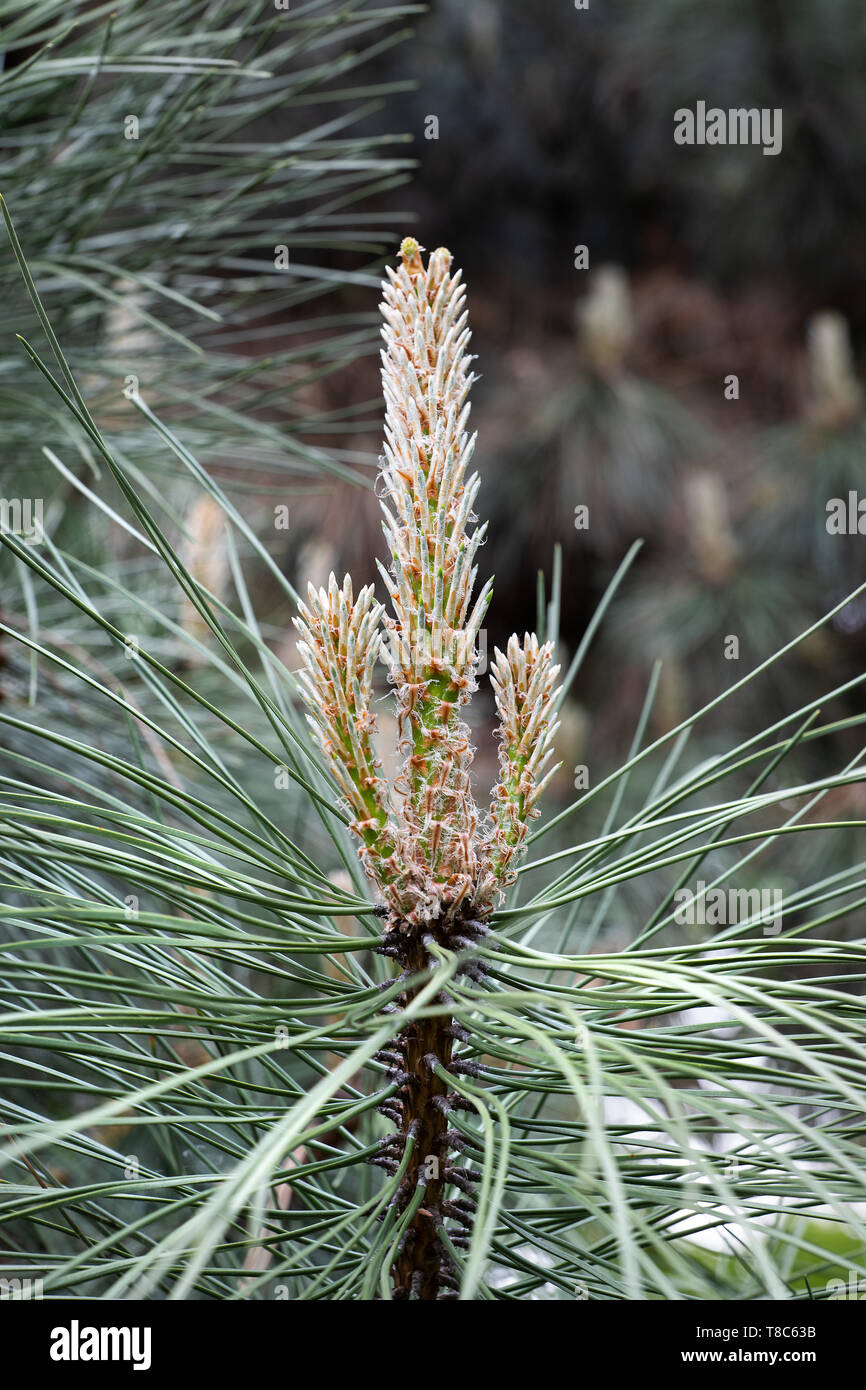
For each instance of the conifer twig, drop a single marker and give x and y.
(441, 870)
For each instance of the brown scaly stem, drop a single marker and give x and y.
(418, 1266)
(423, 1268)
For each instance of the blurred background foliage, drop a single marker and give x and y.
(198, 199)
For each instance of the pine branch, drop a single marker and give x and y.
(440, 873)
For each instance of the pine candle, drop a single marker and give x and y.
(439, 866)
